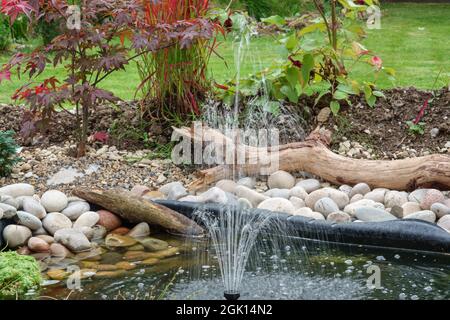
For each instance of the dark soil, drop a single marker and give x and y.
(384, 127)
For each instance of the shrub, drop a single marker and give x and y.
(8, 153)
(5, 34)
(18, 274)
(265, 8)
(175, 78)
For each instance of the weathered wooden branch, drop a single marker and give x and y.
(136, 209)
(314, 156)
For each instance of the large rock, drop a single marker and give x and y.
(425, 215)
(174, 190)
(278, 193)
(87, 219)
(73, 239)
(431, 196)
(308, 213)
(8, 211)
(444, 223)
(440, 209)
(152, 244)
(370, 214)
(326, 206)
(16, 235)
(55, 221)
(360, 188)
(248, 182)
(10, 201)
(17, 190)
(38, 245)
(28, 220)
(140, 230)
(309, 185)
(108, 220)
(75, 209)
(251, 195)
(278, 205)
(59, 251)
(339, 197)
(281, 180)
(297, 202)
(214, 195)
(227, 185)
(34, 207)
(298, 192)
(339, 217)
(115, 240)
(376, 195)
(395, 198)
(417, 195)
(54, 201)
(351, 208)
(410, 207)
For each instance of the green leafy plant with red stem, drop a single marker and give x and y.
(319, 59)
(175, 78)
(89, 54)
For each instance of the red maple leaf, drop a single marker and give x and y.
(13, 8)
(5, 75)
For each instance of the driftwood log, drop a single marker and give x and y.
(314, 156)
(137, 209)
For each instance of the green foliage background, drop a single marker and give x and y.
(265, 8)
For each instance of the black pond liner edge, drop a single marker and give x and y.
(407, 234)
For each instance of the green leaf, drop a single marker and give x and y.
(293, 76)
(371, 101)
(379, 94)
(335, 107)
(290, 93)
(308, 65)
(340, 95)
(347, 88)
(274, 20)
(313, 27)
(291, 42)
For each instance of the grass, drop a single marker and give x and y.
(413, 40)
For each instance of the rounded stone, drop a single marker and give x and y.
(87, 219)
(326, 206)
(75, 209)
(417, 195)
(55, 221)
(360, 188)
(277, 205)
(278, 193)
(28, 220)
(281, 180)
(46, 238)
(339, 217)
(376, 195)
(73, 239)
(115, 240)
(152, 244)
(34, 207)
(431, 196)
(309, 185)
(140, 230)
(308, 213)
(214, 195)
(395, 198)
(248, 182)
(98, 232)
(444, 223)
(356, 198)
(339, 197)
(297, 202)
(351, 208)
(38, 245)
(410, 207)
(346, 189)
(244, 203)
(8, 211)
(1, 213)
(370, 214)
(227, 185)
(108, 220)
(54, 201)
(251, 195)
(16, 235)
(298, 192)
(440, 209)
(17, 190)
(59, 251)
(425, 215)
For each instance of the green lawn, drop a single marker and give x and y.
(414, 40)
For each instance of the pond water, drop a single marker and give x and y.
(279, 268)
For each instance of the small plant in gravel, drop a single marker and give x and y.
(18, 274)
(8, 152)
(416, 128)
